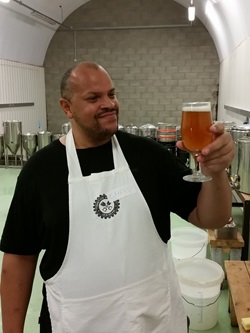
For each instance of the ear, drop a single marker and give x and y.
(66, 107)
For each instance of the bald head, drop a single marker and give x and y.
(67, 84)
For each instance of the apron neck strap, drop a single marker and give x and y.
(72, 158)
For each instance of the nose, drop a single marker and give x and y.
(107, 103)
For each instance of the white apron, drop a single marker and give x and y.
(117, 275)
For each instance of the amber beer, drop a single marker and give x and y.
(196, 120)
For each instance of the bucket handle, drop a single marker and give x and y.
(203, 245)
(201, 306)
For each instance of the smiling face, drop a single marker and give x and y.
(90, 104)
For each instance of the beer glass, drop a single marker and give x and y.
(195, 123)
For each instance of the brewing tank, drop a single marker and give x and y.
(66, 127)
(56, 136)
(12, 135)
(29, 143)
(244, 164)
(132, 129)
(148, 131)
(43, 139)
(237, 133)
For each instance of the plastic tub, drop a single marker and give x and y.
(200, 281)
(188, 242)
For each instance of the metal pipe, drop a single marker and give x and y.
(102, 28)
(42, 15)
(132, 27)
(75, 47)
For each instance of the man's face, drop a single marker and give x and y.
(93, 108)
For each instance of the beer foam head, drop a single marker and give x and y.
(196, 106)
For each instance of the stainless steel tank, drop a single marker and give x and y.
(56, 136)
(229, 125)
(148, 130)
(166, 132)
(237, 133)
(66, 127)
(121, 128)
(43, 139)
(244, 164)
(167, 136)
(29, 141)
(12, 135)
(132, 129)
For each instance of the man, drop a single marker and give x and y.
(99, 201)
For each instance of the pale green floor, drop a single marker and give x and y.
(8, 178)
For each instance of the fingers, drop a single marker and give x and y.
(219, 154)
(217, 128)
(222, 157)
(221, 139)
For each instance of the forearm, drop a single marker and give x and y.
(16, 285)
(214, 203)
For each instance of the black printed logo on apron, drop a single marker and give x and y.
(105, 208)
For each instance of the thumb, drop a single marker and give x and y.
(180, 145)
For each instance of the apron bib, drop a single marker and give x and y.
(117, 275)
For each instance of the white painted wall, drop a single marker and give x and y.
(235, 83)
(22, 83)
(25, 38)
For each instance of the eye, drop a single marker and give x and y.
(112, 95)
(92, 98)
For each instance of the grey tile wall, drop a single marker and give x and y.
(155, 67)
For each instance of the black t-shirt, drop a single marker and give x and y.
(38, 217)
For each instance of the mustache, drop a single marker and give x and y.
(107, 110)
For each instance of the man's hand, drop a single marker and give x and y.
(218, 155)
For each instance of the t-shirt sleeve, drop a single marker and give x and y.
(21, 231)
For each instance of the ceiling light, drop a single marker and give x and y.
(5, 1)
(191, 11)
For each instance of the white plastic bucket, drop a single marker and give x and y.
(200, 281)
(188, 242)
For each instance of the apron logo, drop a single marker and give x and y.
(105, 208)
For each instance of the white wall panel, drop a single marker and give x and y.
(21, 83)
(235, 83)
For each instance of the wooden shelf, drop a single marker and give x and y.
(225, 243)
(238, 276)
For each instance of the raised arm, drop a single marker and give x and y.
(214, 203)
(16, 286)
